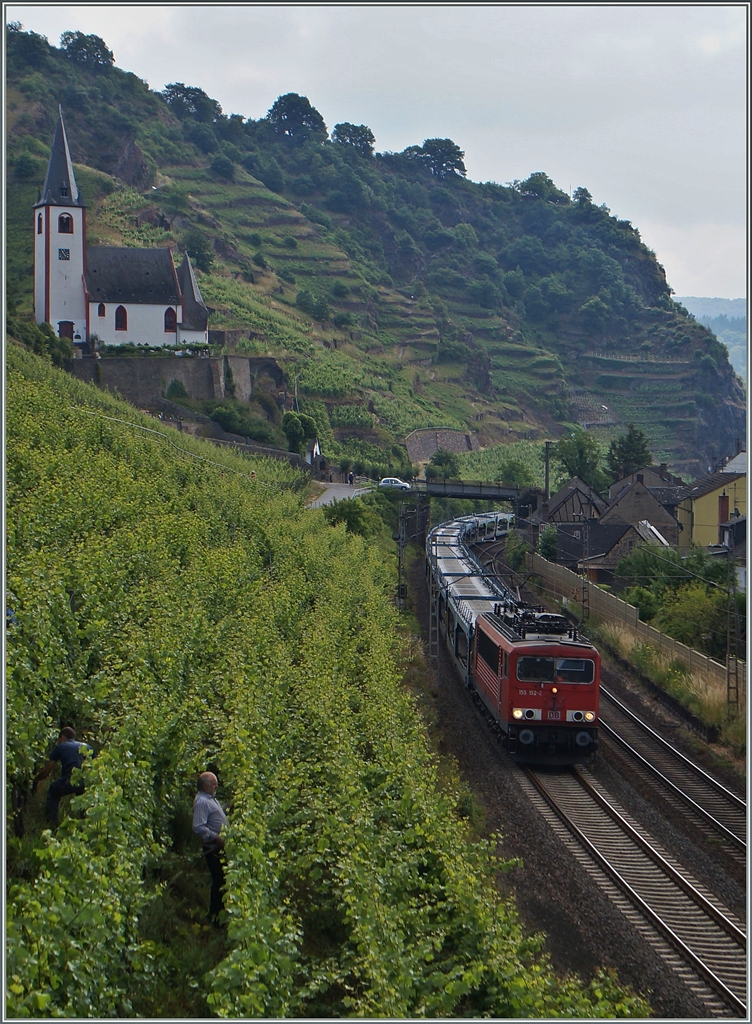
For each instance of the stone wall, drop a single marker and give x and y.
(422, 444)
(143, 380)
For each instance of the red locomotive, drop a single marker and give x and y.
(539, 681)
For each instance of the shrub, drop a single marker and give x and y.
(223, 166)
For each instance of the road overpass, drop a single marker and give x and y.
(466, 489)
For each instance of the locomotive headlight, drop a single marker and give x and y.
(589, 716)
(517, 713)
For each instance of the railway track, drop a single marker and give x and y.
(696, 936)
(718, 814)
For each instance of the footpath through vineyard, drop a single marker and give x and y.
(183, 616)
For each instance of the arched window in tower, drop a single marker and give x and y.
(170, 321)
(101, 310)
(65, 224)
(39, 224)
(121, 319)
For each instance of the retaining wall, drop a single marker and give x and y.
(143, 380)
(561, 582)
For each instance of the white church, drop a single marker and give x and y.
(120, 295)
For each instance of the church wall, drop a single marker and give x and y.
(145, 324)
(192, 337)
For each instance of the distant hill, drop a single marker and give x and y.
(705, 307)
(395, 293)
(727, 319)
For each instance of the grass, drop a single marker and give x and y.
(696, 690)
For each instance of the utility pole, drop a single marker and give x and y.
(413, 525)
(732, 673)
(548, 471)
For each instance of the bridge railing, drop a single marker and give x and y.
(466, 489)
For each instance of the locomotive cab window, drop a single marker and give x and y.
(535, 670)
(574, 670)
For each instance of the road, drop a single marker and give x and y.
(337, 492)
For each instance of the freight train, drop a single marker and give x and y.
(529, 670)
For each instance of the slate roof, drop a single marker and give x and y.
(669, 497)
(195, 313)
(131, 275)
(600, 540)
(708, 484)
(60, 188)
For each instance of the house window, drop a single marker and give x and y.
(101, 311)
(121, 319)
(63, 254)
(65, 224)
(170, 321)
(39, 224)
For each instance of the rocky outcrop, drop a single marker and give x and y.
(132, 168)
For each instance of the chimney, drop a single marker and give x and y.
(664, 471)
(723, 508)
(640, 478)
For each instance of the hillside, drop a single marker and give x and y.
(172, 608)
(397, 292)
(727, 319)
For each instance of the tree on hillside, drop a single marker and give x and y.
(298, 428)
(444, 464)
(359, 136)
(443, 157)
(579, 454)
(581, 196)
(188, 101)
(90, 51)
(628, 453)
(27, 48)
(540, 186)
(293, 116)
(198, 247)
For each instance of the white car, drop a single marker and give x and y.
(394, 481)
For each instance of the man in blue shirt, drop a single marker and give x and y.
(208, 820)
(68, 753)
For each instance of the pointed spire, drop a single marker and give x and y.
(60, 187)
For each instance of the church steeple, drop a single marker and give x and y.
(60, 187)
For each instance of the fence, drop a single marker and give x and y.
(561, 582)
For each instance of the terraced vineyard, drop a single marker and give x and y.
(470, 304)
(182, 614)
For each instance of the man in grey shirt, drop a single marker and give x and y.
(208, 821)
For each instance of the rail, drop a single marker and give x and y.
(705, 938)
(736, 838)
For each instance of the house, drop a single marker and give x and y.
(608, 544)
(652, 476)
(708, 503)
(121, 295)
(733, 539)
(572, 503)
(737, 463)
(637, 503)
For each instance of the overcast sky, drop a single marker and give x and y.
(645, 105)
